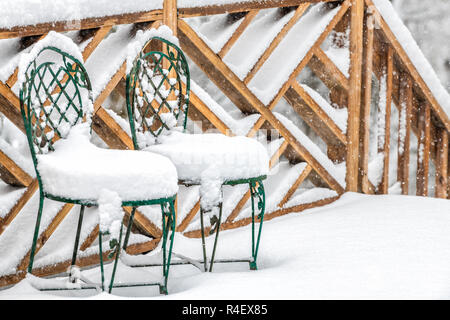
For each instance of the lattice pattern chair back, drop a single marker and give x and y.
(158, 88)
(54, 97)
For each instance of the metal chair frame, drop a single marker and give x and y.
(144, 106)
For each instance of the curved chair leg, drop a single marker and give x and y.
(36, 233)
(259, 194)
(169, 222)
(202, 227)
(75, 248)
(101, 259)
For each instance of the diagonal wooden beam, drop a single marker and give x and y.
(82, 24)
(240, 6)
(276, 41)
(306, 59)
(442, 164)
(11, 173)
(6, 221)
(423, 149)
(327, 71)
(314, 116)
(238, 32)
(302, 176)
(384, 146)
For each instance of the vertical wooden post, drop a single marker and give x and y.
(385, 147)
(441, 163)
(406, 101)
(365, 107)
(423, 149)
(354, 94)
(170, 15)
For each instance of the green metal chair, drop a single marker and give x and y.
(55, 96)
(157, 95)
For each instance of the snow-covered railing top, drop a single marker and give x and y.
(26, 18)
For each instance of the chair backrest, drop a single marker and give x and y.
(157, 91)
(54, 96)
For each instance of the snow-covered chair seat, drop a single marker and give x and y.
(77, 169)
(55, 99)
(201, 156)
(157, 92)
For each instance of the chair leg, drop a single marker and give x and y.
(130, 224)
(36, 233)
(116, 260)
(259, 194)
(101, 259)
(77, 241)
(202, 227)
(167, 224)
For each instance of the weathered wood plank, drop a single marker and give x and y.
(314, 116)
(276, 41)
(442, 163)
(236, 89)
(423, 149)
(440, 113)
(405, 123)
(302, 176)
(364, 128)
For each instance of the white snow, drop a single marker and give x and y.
(359, 247)
(237, 126)
(231, 157)
(246, 51)
(78, 169)
(215, 31)
(341, 58)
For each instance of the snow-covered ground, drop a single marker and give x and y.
(359, 247)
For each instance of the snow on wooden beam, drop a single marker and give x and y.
(238, 92)
(405, 123)
(11, 173)
(412, 69)
(313, 115)
(423, 149)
